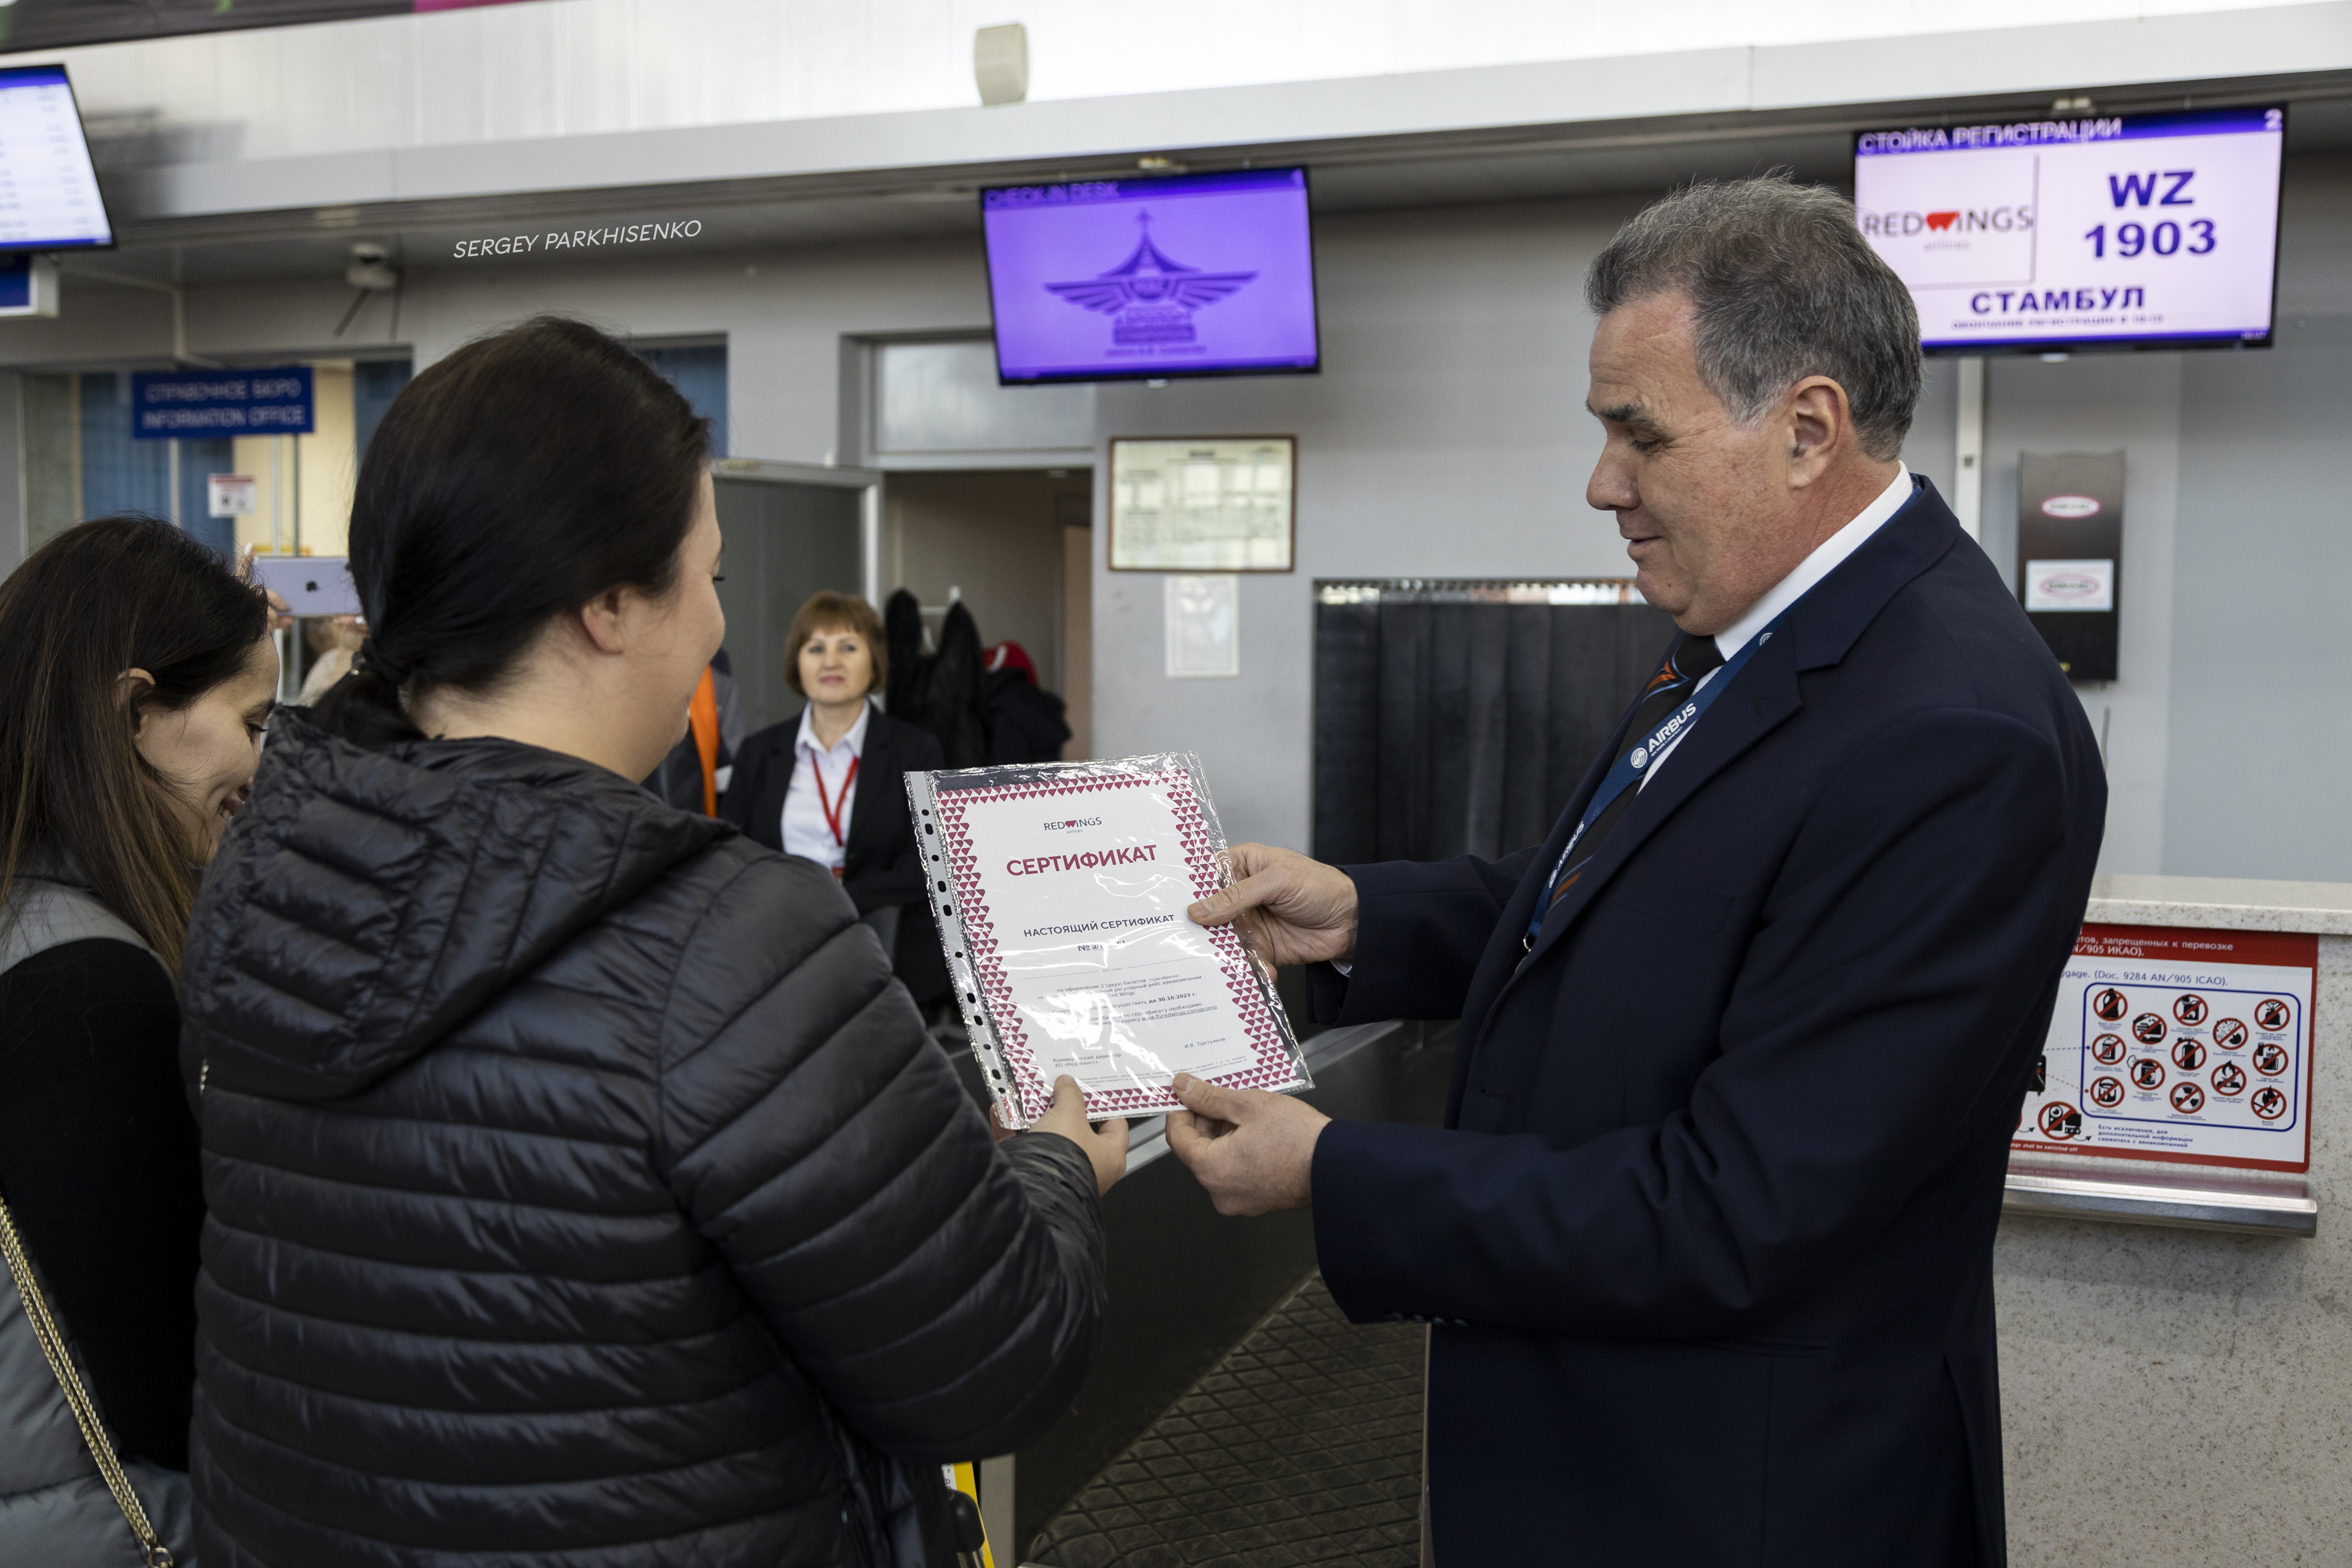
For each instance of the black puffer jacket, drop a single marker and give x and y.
(564, 1153)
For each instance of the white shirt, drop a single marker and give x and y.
(1826, 558)
(805, 832)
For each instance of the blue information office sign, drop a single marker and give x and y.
(200, 405)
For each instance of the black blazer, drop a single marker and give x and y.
(881, 871)
(1707, 1235)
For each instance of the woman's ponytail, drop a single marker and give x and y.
(513, 482)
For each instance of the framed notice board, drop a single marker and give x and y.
(1204, 504)
(2183, 1045)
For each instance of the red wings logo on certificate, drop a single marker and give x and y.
(1061, 890)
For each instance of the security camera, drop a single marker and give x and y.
(370, 268)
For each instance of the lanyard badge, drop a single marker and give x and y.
(834, 806)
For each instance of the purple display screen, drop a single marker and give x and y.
(1115, 279)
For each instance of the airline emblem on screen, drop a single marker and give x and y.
(1150, 297)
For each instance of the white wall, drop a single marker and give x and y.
(1447, 438)
(577, 68)
(2097, 403)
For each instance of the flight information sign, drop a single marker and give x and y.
(49, 190)
(2157, 230)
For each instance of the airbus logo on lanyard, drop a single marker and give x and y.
(1661, 736)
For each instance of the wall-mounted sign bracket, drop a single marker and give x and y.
(2207, 1200)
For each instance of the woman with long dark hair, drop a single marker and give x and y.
(581, 1186)
(139, 674)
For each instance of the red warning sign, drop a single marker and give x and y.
(2188, 1055)
(2229, 1034)
(2148, 1028)
(2189, 1009)
(2106, 1092)
(2229, 1079)
(2147, 1072)
(2272, 1014)
(2110, 1004)
(2188, 1099)
(2058, 1120)
(2107, 1049)
(2268, 1104)
(2271, 1059)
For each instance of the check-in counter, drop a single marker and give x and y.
(1186, 1285)
(2176, 1335)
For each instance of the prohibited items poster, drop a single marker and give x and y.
(2177, 1044)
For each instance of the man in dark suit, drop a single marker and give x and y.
(1705, 1240)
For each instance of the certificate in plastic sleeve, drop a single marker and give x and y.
(1061, 891)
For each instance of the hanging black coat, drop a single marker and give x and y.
(949, 703)
(569, 1158)
(902, 633)
(1025, 722)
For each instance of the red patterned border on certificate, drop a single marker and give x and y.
(1273, 1068)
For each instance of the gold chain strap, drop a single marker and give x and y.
(152, 1549)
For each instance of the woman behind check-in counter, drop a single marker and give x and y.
(829, 785)
(583, 1188)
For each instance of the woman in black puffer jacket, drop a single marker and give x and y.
(582, 1188)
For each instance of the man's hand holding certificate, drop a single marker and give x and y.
(1063, 891)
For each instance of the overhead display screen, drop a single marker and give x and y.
(1119, 279)
(48, 192)
(2155, 230)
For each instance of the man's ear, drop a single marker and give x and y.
(132, 687)
(1819, 423)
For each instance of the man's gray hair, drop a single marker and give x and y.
(1785, 287)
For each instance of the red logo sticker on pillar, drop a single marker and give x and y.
(2225, 1018)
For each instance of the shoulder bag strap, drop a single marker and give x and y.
(152, 1549)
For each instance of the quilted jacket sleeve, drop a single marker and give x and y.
(946, 1293)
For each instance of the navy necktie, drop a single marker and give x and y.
(1678, 674)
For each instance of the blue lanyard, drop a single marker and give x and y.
(1629, 768)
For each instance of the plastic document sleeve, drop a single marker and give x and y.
(1061, 889)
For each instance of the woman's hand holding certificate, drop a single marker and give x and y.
(1063, 893)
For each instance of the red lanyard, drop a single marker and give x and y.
(833, 808)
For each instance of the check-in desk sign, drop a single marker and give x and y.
(2175, 1086)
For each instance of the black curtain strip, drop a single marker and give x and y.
(1449, 723)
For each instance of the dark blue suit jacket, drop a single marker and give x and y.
(1707, 1235)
